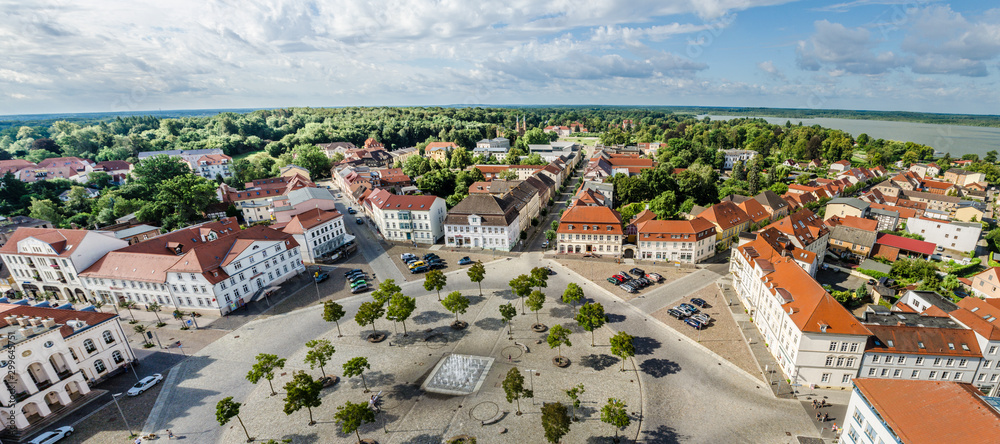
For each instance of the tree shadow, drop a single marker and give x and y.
(426, 438)
(599, 362)
(614, 318)
(475, 299)
(659, 368)
(308, 439)
(564, 311)
(645, 345)
(430, 317)
(376, 378)
(489, 323)
(404, 392)
(505, 294)
(607, 439)
(662, 434)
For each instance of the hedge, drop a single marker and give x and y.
(873, 273)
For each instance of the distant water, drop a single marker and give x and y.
(954, 139)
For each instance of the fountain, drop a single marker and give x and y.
(458, 374)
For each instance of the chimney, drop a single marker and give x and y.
(4, 341)
(25, 332)
(49, 323)
(11, 320)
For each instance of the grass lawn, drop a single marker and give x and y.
(581, 140)
(245, 155)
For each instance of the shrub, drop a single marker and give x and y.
(873, 273)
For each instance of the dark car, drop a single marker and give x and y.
(464, 261)
(322, 277)
(689, 307)
(418, 269)
(613, 281)
(430, 256)
(359, 221)
(351, 211)
(350, 272)
(551, 271)
(699, 302)
(436, 265)
(676, 313)
(637, 272)
(694, 323)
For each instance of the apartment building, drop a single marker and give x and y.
(984, 320)
(483, 220)
(729, 221)
(317, 232)
(687, 241)
(806, 230)
(404, 218)
(961, 236)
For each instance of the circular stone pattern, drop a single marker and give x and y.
(561, 361)
(375, 338)
(539, 328)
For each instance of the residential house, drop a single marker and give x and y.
(607, 189)
(402, 154)
(840, 166)
(938, 202)
(938, 187)
(483, 220)
(960, 236)
(318, 232)
(959, 176)
(14, 165)
(562, 131)
(589, 197)
(439, 150)
(970, 211)
(847, 206)
(260, 197)
(927, 303)
(334, 148)
(49, 260)
(729, 221)
(758, 215)
(887, 188)
(773, 203)
(805, 230)
(907, 411)
(986, 284)
(913, 346)
(88, 193)
(783, 245)
(495, 148)
(984, 320)
(403, 218)
(302, 200)
(686, 241)
(8, 225)
(590, 230)
(734, 156)
(212, 166)
(923, 170)
(850, 242)
(133, 233)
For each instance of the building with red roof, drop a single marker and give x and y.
(407, 218)
(318, 232)
(686, 241)
(892, 247)
(595, 229)
(729, 221)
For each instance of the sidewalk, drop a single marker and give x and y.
(766, 363)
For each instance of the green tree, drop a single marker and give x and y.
(622, 346)
(357, 367)
(460, 158)
(477, 273)
(540, 277)
(513, 387)
(351, 416)
(535, 302)
(456, 303)
(333, 312)
(573, 294)
(46, 210)
(507, 313)
(507, 174)
(155, 308)
(574, 395)
(386, 289)
(302, 391)
(368, 313)
(141, 330)
(319, 354)
(435, 280)
(400, 309)
(550, 235)
(559, 336)
(521, 287)
(591, 317)
(555, 421)
(264, 369)
(615, 414)
(77, 202)
(307, 156)
(227, 409)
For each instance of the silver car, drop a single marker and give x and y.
(52, 436)
(145, 384)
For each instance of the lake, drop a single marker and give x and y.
(954, 139)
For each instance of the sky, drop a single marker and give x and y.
(126, 55)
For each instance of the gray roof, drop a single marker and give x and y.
(771, 199)
(853, 235)
(851, 201)
(871, 264)
(736, 198)
(493, 210)
(303, 194)
(881, 212)
(896, 318)
(930, 196)
(132, 231)
(13, 223)
(598, 186)
(145, 154)
(935, 299)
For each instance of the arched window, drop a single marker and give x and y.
(117, 357)
(108, 337)
(89, 346)
(99, 366)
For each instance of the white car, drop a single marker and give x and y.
(145, 384)
(52, 436)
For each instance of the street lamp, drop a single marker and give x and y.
(115, 398)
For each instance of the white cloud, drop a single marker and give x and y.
(840, 48)
(771, 70)
(945, 42)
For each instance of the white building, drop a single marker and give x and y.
(984, 320)
(211, 166)
(483, 221)
(317, 232)
(734, 156)
(687, 241)
(591, 229)
(961, 236)
(888, 411)
(407, 218)
(555, 150)
(498, 142)
(48, 260)
(60, 354)
(815, 340)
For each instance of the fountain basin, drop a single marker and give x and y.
(458, 374)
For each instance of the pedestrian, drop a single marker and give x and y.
(826, 417)
(818, 416)
(170, 435)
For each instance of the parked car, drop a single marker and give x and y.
(654, 277)
(350, 272)
(436, 265)
(676, 313)
(551, 271)
(627, 288)
(464, 261)
(699, 302)
(430, 256)
(418, 269)
(644, 282)
(356, 276)
(545, 244)
(52, 436)
(359, 221)
(697, 325)
(360, 289)
(690, 307)
(703, 318)
(625, 273)
(685, 310)
(638, 272)
(322, 277)
(351, 211)
(418, 264)
(613, 281)
(406, 256)
(359, 282)
(621, 277)
(144, 384)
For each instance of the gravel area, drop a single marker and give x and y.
(598, 271)
(722, 336)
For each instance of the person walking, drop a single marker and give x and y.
(170, 435)
(826, 417)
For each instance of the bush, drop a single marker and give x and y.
(534, 221)
(874, 274)
(524, 235)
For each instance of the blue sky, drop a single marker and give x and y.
(117, 55)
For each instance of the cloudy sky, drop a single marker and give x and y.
(128, 55)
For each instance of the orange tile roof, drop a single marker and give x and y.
(779, 241)
(979, 319)
(931, 412)
(302, 222)
(186, 238)
(938, 185)
(937, 341)
(725, 214)
(904, 213)
(754, 210)
(607, 220)
(859, 223)
(661, 230)
(439, 145)
(803, 225)
(643, 216)
(146, 267)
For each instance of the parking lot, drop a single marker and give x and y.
(598, 271)
(450, 258)
(840, 281)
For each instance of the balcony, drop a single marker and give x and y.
(56, 266)
(31, 264)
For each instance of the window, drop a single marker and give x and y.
(885, 372)
(950, 362)
(920, 361)
(846, 379)
(896, 373)
(825, 378)
(850, 362)
(901, 360)
(853, 434)
(108, 337)
(958, 375)
(73, 354)
(937, 362)
(840, 362)
(829, 361)
(915, 374)
(932, 375)
(986, 364)
(874, 359)
(870, 432)
(89, 346)
(944, 375)
(843, 346)
(871, 372)
(833, 347)
(963, 362)
(858, 417)
(854, 347)
(99, 366)
(993, 350)
(117, 357)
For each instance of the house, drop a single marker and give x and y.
(318, 232)
(8, 225)
(887, 188)
(259, 198)
(892, 247)
(686, 241)
(851, 242)
(562, 131)
(301, 200)
(590, 230)
(907, 411)
(784, 246)
(960, 236)
(14, 165)
(814, 339)
(847, 206)
(69, 351)
(589, 197)
(334, 148)
(923, 301)
(483, 221)
(938, 187)
(134, 233)
(959, 177)
(631, 229)
(89, 193)
(734, 156)
(439, 150)
(758, 215)
(214, 267)
(987, 283)
(840, 166)
(920, 347)
(404, 218)
(212, 166)
(773, 203)
(400, 155)
(984, 320)
(49, 261)
(923, 170)
(907, 181)
(854, 222)
(970, 211)
(805, 230)
(938, 202)
(495, 148)
(729, 221)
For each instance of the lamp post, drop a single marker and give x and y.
(115, 398)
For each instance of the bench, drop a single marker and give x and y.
(524, 347)
(495, 419)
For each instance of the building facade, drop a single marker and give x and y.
(317, 232)
(403, 218)
(483, 221)
(585, 229)
(961, 236)
(687, 241)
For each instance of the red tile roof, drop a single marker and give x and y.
(980, 316)
(905, 243)
(957, 342)
(725, 214)
(63, 242)
(304, 221)
(931, 412)
(661, 230)
(605, 219)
